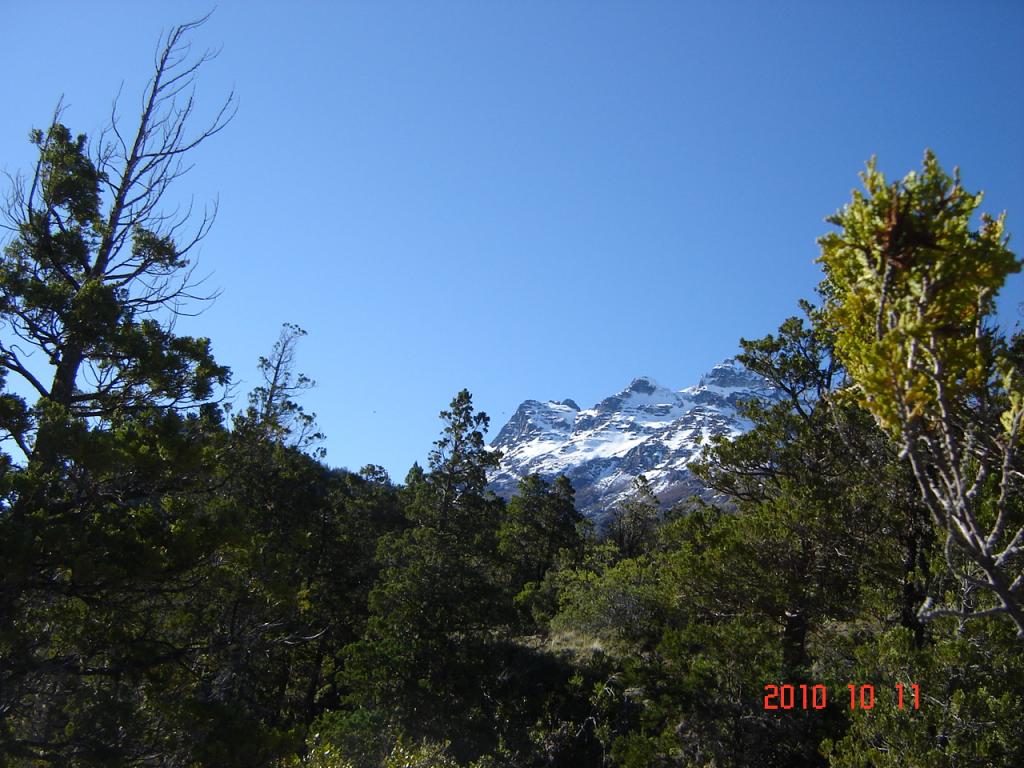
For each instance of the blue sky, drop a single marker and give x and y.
(530, 200)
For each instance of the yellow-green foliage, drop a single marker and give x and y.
(425, 755)
(908, 283)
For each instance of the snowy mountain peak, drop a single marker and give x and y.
(645, 428)
(730, 374)
(537, 421)
(643, 394)
(644, 385)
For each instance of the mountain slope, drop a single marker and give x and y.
(644, 429)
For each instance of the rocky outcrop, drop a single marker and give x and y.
(645, 429)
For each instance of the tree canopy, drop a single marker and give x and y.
(184, 583)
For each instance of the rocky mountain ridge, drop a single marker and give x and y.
(644, 429)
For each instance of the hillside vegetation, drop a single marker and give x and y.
(183, 583)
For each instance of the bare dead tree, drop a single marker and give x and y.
(97, 270)
(139, 169)
(968, 468)
(272, 405)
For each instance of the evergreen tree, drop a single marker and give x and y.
(272, 405)
(822, 528)
(422, 664)
(910, 289)
(109, 521)
(541, 525)
(632, 525)
(96, 270)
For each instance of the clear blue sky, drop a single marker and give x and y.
(530, 200)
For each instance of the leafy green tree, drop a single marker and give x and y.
(426, 755)
(109, 521)
(963, 712)
(96, 269)
(910, 288)
(822, 531)
(290, 589)
(632, 525)
(807, 480)
(541, 524)
(422, 663)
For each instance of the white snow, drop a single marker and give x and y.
(670, 427)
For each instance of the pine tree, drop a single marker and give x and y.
(422, 663)
(541, 520)
(108, 520)
(632, 525)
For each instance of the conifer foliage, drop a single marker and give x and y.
(184, 584)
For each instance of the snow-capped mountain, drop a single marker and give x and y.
(645, 429)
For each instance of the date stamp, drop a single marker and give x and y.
(816, 696)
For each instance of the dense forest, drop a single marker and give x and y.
(185, 582)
